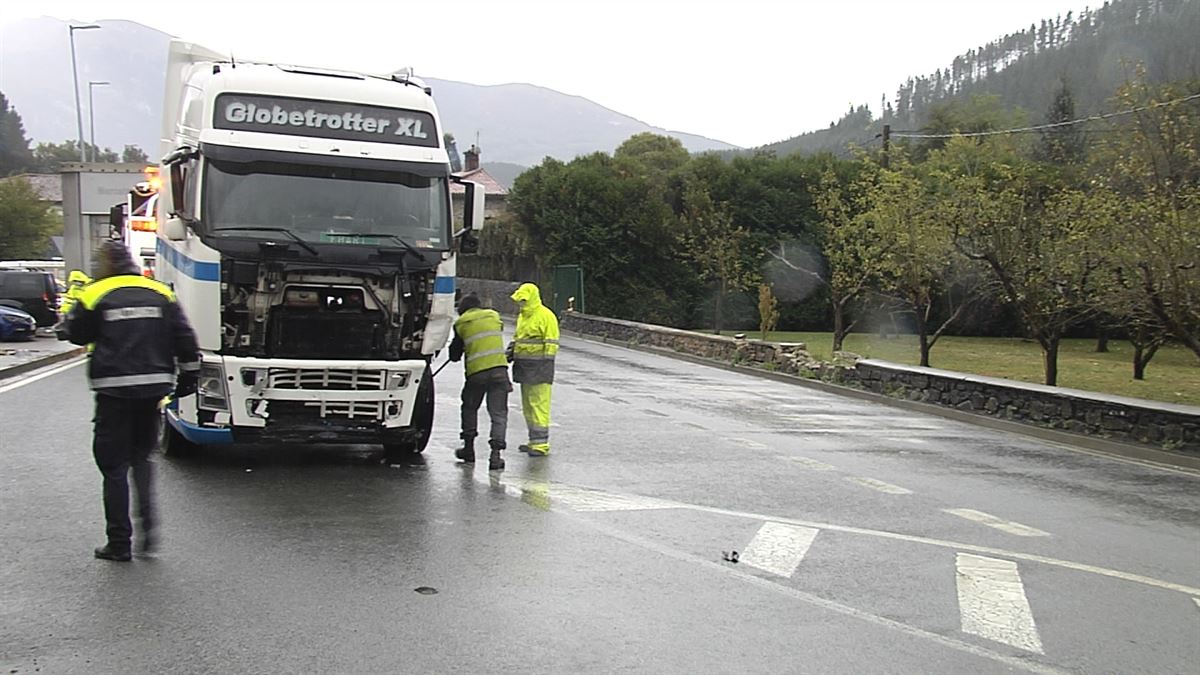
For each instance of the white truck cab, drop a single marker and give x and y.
(306, 228)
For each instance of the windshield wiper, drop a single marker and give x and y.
(256, 228)
(412, 249)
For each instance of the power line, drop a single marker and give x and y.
(1041, 127)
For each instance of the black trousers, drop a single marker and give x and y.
(125, 433)
(492, 385)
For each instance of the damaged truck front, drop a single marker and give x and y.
(310, 239)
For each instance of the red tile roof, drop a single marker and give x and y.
(490, 185)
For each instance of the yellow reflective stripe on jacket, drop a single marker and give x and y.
(483, 340)
(91, 294)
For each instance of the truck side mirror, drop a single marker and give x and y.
(473, 206)
(179, 190)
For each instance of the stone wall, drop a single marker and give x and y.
(1084, 412)
(1173, 427)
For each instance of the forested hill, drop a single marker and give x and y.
(1092, 53)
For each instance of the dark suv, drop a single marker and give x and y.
(36, 292)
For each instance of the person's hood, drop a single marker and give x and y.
(531, 296)
(78, 277)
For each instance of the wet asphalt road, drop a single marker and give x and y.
(870, 540)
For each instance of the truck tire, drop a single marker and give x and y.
(172, 442)
(421, 427)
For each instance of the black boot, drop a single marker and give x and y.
(110, 552)
(467, 452)
(496, 462)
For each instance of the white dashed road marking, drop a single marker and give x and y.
(778, 548)
(991, 599)
(879, 485)
(809, 463)
(998, 523)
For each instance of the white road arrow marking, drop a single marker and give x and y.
(778, 548)
(991, 599)
(998, 523)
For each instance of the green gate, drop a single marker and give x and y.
(568, 289)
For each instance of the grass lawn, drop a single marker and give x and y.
(1173, 375)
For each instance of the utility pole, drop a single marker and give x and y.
(887, 142)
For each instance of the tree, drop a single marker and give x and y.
(768, 310)
(25, 221)
(1061, 145)
(132, 154)
(15, 156)
(49, 157)
(658, 155)
(919, 265)
(604, 215)
(1026, 236)
(852, 251)
(1151, 171)
(718, 247)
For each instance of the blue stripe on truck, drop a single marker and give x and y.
(443, 285)
(200, 271)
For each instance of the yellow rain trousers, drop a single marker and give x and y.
(535, 403)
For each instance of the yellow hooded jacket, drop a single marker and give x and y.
(535, 343)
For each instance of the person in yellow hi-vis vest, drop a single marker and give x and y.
(534, 346)
(479, 336)
(76, 280)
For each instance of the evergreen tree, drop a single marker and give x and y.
(15, 156)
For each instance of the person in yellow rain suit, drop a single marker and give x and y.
(76, 280)
(534, 346)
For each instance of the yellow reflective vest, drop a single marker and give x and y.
(483, 340)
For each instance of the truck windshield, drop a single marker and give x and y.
(325, 204)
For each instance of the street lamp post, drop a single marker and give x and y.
(92, 114)
(75, 83)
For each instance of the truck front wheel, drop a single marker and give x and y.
(172, 442)
(421, 426)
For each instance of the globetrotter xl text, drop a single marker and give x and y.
(239, 112)
(334, 120)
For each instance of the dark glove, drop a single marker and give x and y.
(60, 330)
(185, 384)
(508, 352)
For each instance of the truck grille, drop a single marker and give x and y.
(343, 379)
(350, 409)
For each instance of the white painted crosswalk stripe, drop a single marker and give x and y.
(879, 485)
(778, 548)
(992, 602)
(580, 499)
(809, 463)
(998, 523)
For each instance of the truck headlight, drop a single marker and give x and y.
(397, 379)
(210, 388)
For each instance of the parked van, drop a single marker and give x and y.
(37, 293)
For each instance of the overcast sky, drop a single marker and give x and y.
(747, 72)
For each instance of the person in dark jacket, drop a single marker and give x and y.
(139, 334)
(478, 334)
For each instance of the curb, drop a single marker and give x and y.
(1077, 442)
(13, 371)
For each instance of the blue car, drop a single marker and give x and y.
(16, 324)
